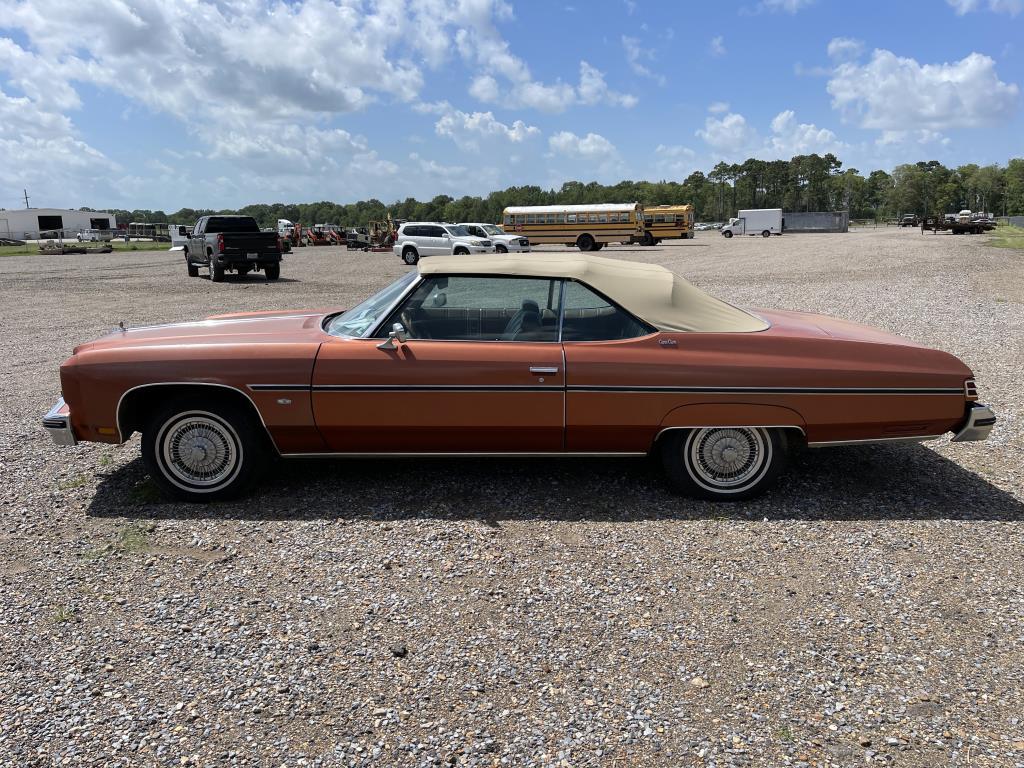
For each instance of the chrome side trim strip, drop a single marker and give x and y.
(910, 439)
(440, 388)
(625, 390)
(278, 387)
(779, 390)
(120, 432)
(464, 454)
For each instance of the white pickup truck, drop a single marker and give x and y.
(503, 243)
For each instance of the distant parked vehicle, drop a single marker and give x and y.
(418, 239)
(235, 243)
(503, 242)
(587, 227)
(666, 222)
(910, 220)
(757, 221)
(94, 236)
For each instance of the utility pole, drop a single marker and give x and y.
(26, 197)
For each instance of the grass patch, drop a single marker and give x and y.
(129, 540)
(1007, 237)
(62, 614)
(75, 481)
(784, 733)
(33, 250)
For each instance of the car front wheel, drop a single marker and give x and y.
(724, 463)
(203, 452)
(500, 249)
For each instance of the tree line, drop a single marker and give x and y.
(803, 183)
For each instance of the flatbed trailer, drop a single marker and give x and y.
(936, 224)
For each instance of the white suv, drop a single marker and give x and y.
(503, 242)
(418, 238)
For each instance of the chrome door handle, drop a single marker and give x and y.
(542, 371)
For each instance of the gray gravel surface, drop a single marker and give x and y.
(870, 610)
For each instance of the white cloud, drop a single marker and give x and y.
(485, 88)
(788, 6)
(729, 134)
(1012, 7)
(895, 93)
(791, 138)
(634, 53)
(922, 136)
(467, 130)
(262, 84)
(845, 48)
(592, 145)
(733, 137)
(718, 107)
(45, 154)
(555, 97)
(717, 46)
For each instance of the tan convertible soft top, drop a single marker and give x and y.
(649, 291)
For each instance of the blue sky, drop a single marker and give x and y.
(220, 103)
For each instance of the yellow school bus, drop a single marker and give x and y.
(588, 227)
(667, 222)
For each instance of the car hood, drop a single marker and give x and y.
(241, 328)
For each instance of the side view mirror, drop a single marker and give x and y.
(397, 334)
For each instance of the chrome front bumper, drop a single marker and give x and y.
(979, 422)
(58, 423)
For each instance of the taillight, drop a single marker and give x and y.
(220, 242)
(970, 389)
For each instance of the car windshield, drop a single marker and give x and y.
(361, 318)
(457, 231)
(490, 229)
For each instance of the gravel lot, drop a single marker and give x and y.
(869, 610)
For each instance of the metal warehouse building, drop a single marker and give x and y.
(27, 223)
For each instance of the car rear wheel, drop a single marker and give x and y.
(410, 257)
(585, 242)
(216, 271)
(766, 233)
(272, 271)
(724, 463)
(200, 451)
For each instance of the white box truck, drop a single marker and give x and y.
(759, 221)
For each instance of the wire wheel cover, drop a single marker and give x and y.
(199, 450)
(728, 457)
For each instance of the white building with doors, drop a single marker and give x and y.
(27, 223)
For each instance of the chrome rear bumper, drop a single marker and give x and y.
(979, 422)
(58, 423)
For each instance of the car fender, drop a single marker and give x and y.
(731, 415)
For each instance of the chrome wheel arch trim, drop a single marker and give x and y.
(120, 402)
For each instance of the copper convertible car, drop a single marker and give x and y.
(527, 355)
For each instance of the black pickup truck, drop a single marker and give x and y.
(235, 243)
